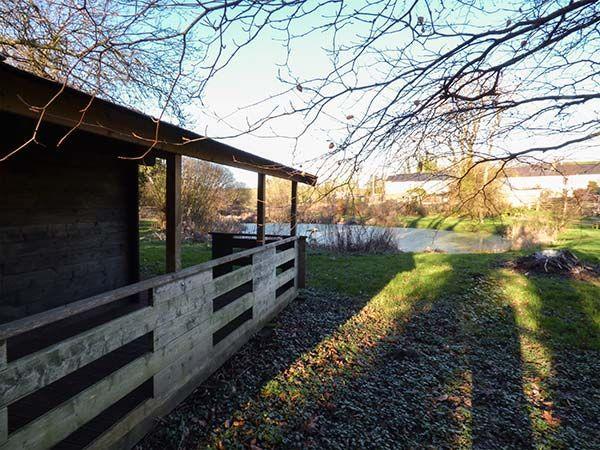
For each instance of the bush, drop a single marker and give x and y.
(532, 233)
(357, 239)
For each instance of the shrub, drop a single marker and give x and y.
(356, 239)
(532, 233)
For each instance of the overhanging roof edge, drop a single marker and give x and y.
(26, 94)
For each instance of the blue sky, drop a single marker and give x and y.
(252, 77)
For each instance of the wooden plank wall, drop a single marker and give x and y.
(68, 220)
(195, 323)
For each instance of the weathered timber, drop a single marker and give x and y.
(20, 90)
(301, 262)
(285, 256)
(286, 276)
(190, 340)
(3, 425)
(66, 225)
(294, 209)
(2, 355)
(39, 369)
(29, 323)
(173, 214)
(260, 209)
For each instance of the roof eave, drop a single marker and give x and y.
(26, 94)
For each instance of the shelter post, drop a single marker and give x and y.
(260, 210)
(173, 258)
(301, 259)
(294, 209)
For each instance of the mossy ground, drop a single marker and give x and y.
(410, 350)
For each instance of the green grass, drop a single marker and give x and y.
(547, 322)
(152, 252)
(453, 223)
(584, 242)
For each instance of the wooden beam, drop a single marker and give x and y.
(260, 210)
(173, 258)
(25, 94)
(294, 209)
(35, 321)
(3, 411)
(301, 247)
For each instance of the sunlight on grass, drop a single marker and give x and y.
(561, 311)
(347, 352)
(470, 319)
(553, 314)
(585, 242)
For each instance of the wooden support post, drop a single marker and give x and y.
(173, 213)
(3, 411)
(260, 210)
(294, 209)
(2, 355)
(301, 249)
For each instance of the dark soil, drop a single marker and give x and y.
(449, 376)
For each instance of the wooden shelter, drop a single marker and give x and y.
(89, 354)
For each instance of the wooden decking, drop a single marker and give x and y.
(97, 375)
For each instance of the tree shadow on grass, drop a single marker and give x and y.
(563, 320)
(426, 362)
(308, 321)
(449, 375)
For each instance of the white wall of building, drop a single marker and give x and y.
(519, 191)
(526, 191)
(400, 189)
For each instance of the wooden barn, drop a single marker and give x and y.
(89, 354)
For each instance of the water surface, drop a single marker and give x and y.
(405, 239)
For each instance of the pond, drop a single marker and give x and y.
(405, 239)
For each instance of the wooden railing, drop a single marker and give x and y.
(104, 385)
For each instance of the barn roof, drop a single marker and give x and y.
(422, 176)
(24, 94)
(562, 169)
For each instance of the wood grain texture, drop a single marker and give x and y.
(16, 327)
(66, 222)
(184, 352)
(3, 425)
(39, 369)
(173, 213)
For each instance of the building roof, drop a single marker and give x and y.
(530, 170)
(562, 169)
(24, 94)
(422, 176)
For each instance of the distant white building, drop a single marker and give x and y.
(405, 186)
(523, 185)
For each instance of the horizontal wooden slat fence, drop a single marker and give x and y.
(103, 387)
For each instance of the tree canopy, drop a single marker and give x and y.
(401, 74)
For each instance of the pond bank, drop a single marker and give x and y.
(403, 239)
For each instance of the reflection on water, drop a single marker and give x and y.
(406, 239)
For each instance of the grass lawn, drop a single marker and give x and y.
(410, 350)
(453, 223)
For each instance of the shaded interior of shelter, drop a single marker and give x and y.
(69, 230)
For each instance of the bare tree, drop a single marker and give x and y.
(207, 192)
(400, 72)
